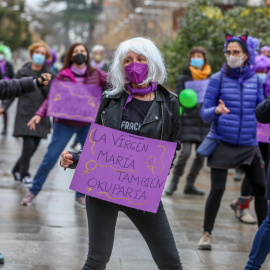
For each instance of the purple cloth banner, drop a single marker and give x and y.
(72, 101)
(263, 133)
(122, 168)
(199, 87)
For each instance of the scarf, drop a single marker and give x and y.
(198, 74)
(240, 73)
(140, 91)
(79, 73)
(99, 65)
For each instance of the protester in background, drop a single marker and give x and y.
(241, 205)
(7, 73)
(137, 96)
(230, 102)
(52, 60)
(261, 244)
(265, 50)
(194, 129)
(97, 58)
(97, 61)
(27, 106)
(76, 69)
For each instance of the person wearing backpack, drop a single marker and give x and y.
(230, 102)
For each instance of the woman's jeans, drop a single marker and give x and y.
(60, 138)
(154, 227)
(261, 245)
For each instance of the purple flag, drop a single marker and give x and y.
(78, 102)
(263, 133)
(122, 168)
(199, 86)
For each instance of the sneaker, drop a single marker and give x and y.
(2, 260)
(17, 176)
(80, 202)
(4, 132)
(205, 242)
(28, 198)
(27, 181)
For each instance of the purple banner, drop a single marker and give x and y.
(199, 87)
(78, 102)
(263, 133)
(122, 168)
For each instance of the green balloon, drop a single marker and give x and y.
(181, 110)
(188, 98)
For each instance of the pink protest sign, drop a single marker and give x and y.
(122, 168)
(263, 133)
(68, 100)
(199, 86)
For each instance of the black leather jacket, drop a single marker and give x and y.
(162, 121)
(16, 88)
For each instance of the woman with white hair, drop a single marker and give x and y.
(97, 56)
(138, 104)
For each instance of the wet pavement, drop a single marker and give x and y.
(52, 234)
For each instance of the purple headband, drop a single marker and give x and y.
(265, 49)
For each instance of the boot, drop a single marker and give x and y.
(241, 210)
(193, 190)
(173, 185)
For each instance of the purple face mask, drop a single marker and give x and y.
(136, 72)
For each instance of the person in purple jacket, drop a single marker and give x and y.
(230, 102)
(76, 69)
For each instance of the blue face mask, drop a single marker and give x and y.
(263, 77)
(38, 59)
(196, 62)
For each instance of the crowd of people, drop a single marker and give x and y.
(222, 126)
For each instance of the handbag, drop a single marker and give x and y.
(207, 147)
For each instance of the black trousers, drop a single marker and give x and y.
(154, 228)
(246, 189)
(256, 177)
(30, 145)
(180, 164)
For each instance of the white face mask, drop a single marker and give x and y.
(235, 62)
(2, 57)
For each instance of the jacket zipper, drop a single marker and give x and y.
(241, 115)
(162, 114)
(102, 120)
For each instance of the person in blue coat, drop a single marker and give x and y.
(230, 102)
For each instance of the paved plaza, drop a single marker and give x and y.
(52, 234)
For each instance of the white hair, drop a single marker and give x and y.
(97, 48)
(156, 67)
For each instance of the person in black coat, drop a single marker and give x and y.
(261, 244)
(194, 129)
(17, 88)
(7, 73)
(27, 106)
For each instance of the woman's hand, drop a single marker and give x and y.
(32, 123)
(2, 110)
(221, 108)
(66, 159)
(47, 78)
